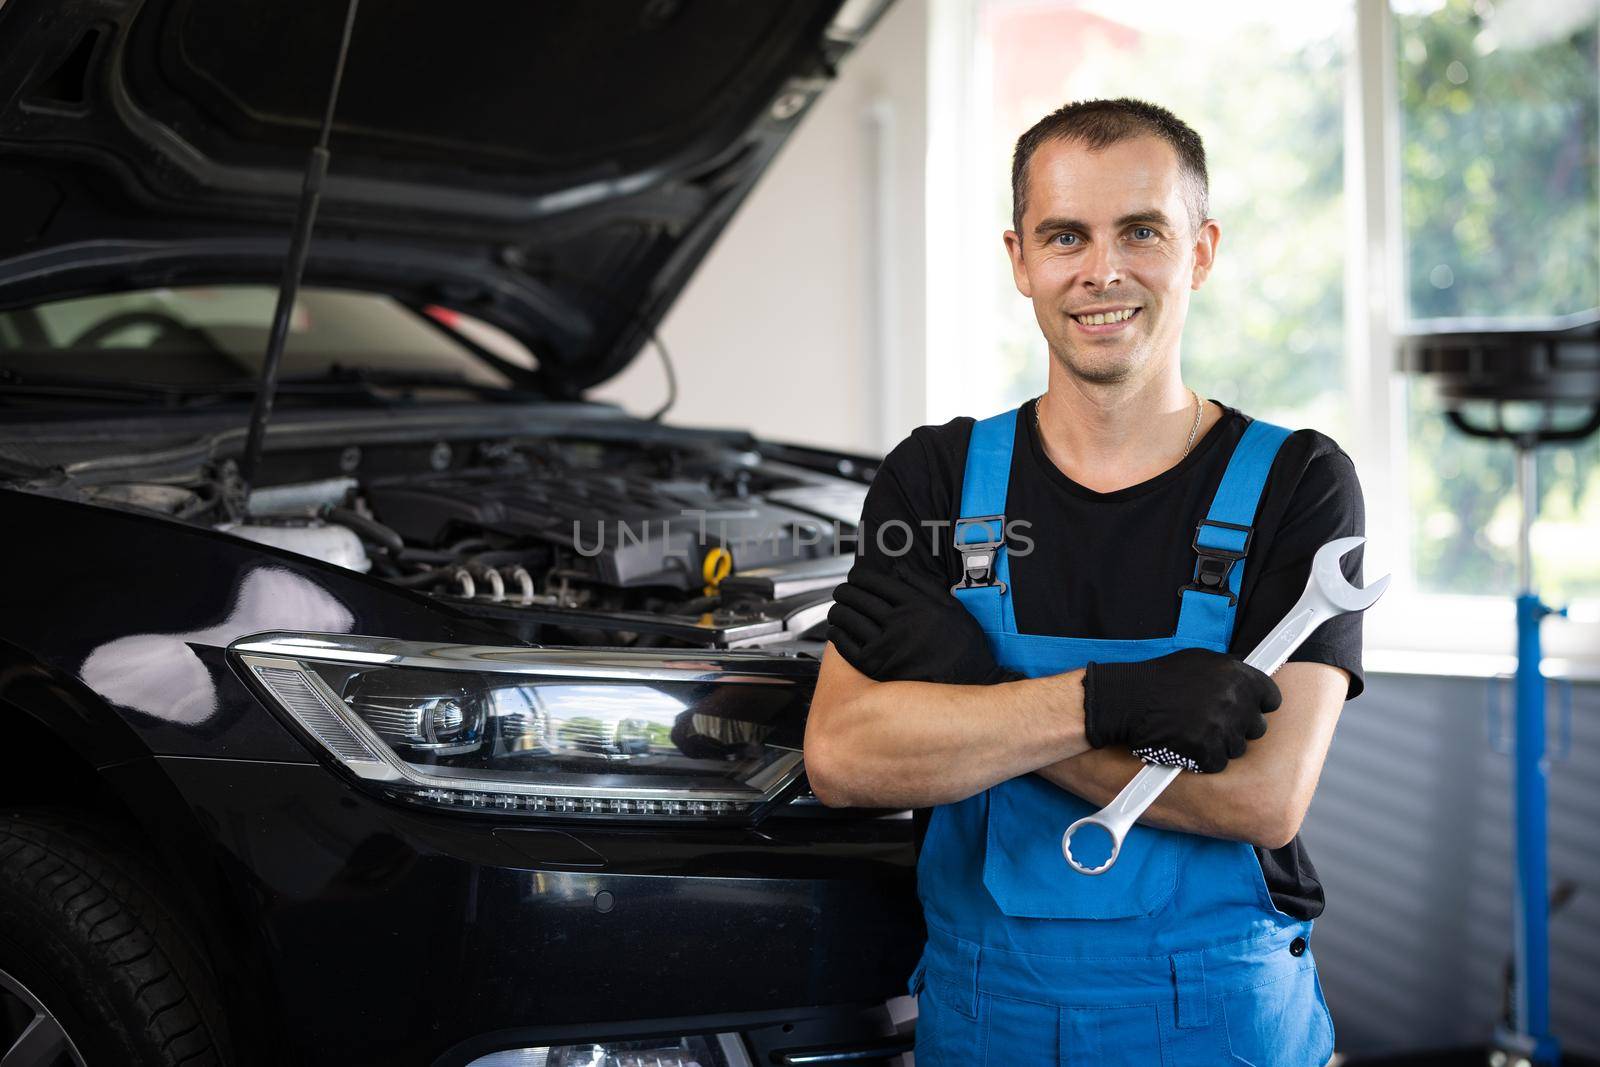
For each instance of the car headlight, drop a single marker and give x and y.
(655, 1052)
(554, 732)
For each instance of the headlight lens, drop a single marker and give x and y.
(654, 1052)
(568, 732)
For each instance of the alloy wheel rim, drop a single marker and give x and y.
(40, 1040)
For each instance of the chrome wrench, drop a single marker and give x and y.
(1328, 594)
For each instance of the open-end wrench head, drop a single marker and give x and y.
(1329, 579)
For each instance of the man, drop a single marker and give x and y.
(1140, 541)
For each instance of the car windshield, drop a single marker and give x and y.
(198, 339)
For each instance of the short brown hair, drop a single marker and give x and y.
(1101, 123)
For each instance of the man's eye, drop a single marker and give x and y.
(1143, 233)
(1064, 238)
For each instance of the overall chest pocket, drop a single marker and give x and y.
(1026, 874)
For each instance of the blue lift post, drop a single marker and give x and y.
(1556, 363)
(1529, 1035)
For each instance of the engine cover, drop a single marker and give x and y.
(634, 529)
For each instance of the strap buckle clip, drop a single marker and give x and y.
(1216, 563)
(978, 557)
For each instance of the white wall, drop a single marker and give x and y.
(784, 330)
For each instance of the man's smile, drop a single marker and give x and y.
(1102, 321)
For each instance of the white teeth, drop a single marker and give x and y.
(1106, 317)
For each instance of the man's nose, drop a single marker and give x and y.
(1102, 267)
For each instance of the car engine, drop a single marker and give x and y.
(557, 540)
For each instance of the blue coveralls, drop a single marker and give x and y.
(1174, 956)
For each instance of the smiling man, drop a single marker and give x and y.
(1110, 552)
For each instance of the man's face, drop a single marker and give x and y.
(1109, 233)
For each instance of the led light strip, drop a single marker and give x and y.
(568, 805)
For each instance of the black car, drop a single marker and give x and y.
(466, 726)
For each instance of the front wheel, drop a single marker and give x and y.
(94, 966)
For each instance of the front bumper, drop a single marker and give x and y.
(403, 936)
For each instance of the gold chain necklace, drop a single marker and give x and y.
(1199, 407)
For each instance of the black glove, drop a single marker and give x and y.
(1192, 708)
(905, 626)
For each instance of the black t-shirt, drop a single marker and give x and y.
(1110, 565)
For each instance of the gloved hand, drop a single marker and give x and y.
(1192, 708)
(906, 626)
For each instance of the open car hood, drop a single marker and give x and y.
(557, 169)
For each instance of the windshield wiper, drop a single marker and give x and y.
(169, 395)
(173, 396)
(382, 378)
(13, 384)
(366, 383)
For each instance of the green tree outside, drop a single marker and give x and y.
(1501, 214)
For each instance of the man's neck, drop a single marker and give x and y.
(1107, 438)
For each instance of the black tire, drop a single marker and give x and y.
(85, 929)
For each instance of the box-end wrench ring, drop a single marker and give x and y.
(1327, 595)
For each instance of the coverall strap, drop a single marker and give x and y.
(1222, 539)
(983, 497)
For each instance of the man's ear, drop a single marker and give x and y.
(1019, 269)
(1205, 251)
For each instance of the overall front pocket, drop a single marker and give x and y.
(1284, 1023)
(1028, 877)
(945, 1035)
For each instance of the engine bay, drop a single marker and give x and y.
(557, 540)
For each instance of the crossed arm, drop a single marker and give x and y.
(1263, 795)
(916, 744)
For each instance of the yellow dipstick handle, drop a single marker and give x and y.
(715, 567)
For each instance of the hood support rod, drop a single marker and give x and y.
(294, 267)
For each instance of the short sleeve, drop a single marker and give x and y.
(908, 508)
(1325, 504)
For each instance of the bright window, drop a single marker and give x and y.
(1499, 106)
(1498, 109)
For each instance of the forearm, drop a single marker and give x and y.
(1262, 796)
(1229, 805)
(917, 744)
